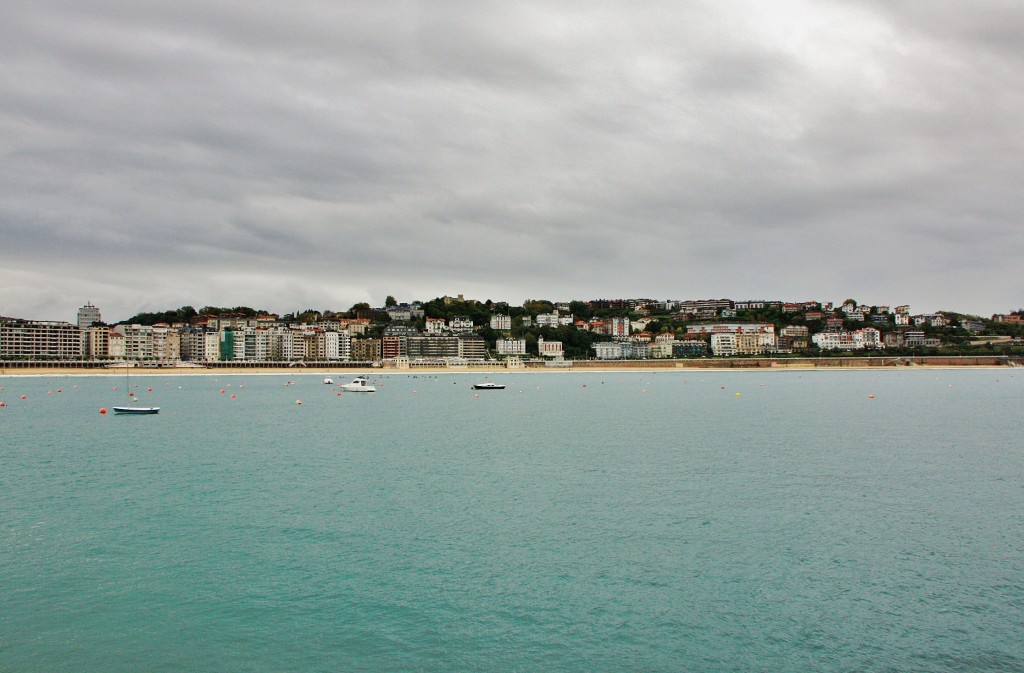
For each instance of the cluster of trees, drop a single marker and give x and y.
(186, 313)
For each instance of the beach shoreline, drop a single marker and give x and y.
(341, 369)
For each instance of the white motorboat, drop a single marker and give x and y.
(488, 385)
(328, 382)
(359, 384)
(136, 410)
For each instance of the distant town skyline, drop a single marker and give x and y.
(321, 155)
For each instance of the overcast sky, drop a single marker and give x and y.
(316, 153)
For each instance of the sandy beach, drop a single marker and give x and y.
(341, 368)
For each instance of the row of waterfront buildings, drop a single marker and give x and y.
(265, 338)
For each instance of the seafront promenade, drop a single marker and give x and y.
(74, 368)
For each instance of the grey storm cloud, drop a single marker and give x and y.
(320, 154)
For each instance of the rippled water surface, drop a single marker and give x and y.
(697, 521)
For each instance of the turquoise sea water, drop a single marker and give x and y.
(697, 521)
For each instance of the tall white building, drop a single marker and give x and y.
(87, 315)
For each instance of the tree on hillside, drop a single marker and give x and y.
(181, 315)
(537, 306)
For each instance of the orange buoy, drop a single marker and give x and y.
(24, 397)
(871, 397)
(103, 410)
(232, 396)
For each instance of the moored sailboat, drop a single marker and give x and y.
(131, 408)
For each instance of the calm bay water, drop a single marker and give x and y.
(697, 521)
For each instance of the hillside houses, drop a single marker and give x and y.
(456, 329)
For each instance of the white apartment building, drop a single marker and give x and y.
(730, 327)
(619, 327)
(39, 339)
(861, 339)
(501, 322)
(166, 344)
(608, 350)
(511, 346)
(197, 345)
(553, 319)
(460, 325)
(138, 341)
(723, 344)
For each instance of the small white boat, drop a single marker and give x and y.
(136, 410)
(488, 385)
(328, 382)
(359, 385)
